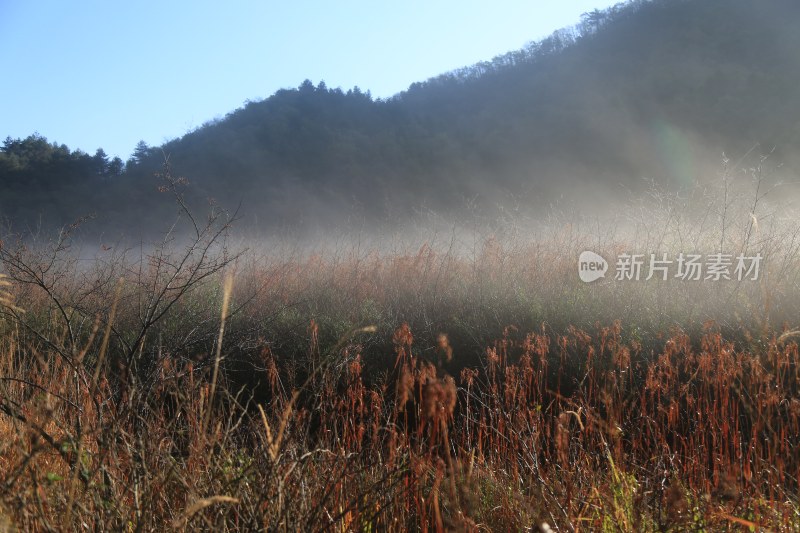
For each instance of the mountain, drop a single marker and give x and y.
(645, 90)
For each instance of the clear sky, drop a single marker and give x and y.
(108, 73)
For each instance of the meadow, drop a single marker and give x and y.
(463, 381)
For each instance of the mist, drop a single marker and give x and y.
(559, 287)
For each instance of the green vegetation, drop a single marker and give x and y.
(653, 89)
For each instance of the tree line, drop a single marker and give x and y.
(647, 89)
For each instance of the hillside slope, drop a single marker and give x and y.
(644, 90)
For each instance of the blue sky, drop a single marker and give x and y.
(108, 73)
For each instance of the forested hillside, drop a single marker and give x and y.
(646, 90)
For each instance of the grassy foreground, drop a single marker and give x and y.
(444, 388)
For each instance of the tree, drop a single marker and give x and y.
(592, 21)
(140, 153)
(306, 87)
(100, 162)
(116, 167)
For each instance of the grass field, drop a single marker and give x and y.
(464, 383)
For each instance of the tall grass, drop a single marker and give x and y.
(469, 383)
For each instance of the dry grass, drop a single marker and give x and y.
(582, 431)
(447, 387)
